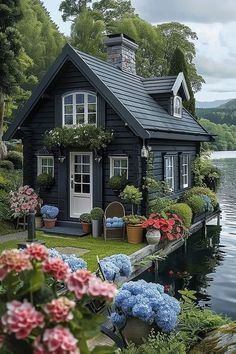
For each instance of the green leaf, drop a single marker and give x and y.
(104, 350)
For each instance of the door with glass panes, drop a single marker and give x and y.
(80, 183)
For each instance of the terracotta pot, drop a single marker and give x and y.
(153, 236)
(38, 222)
(87, 228)
(135, 330)
(135, 233)
(49, 223)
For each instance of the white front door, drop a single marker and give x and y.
(80, 183)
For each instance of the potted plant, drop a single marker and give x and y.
(85, 220)
(49, 214)
(96, 217)
(139, 306)
(45, 181)
(117, 183)
(131, 195)
(134, 228)
(152, 225)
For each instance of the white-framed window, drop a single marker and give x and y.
(45, 165)
(169, 171)
(177, 107)
(119, 166)
(185, 170)
(79, 108)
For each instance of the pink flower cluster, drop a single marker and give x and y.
(36, 252)
(24, 200)
(59, 310)
(57, 268)
(58, 340)
(13, 261)
(82, 282)
(21, 319)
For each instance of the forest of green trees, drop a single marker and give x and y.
(225, 135)
(218, 115)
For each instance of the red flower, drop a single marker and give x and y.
(37, 252)
(59, 309)
(57, 268)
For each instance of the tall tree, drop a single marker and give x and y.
(72, 8)
(10, 64)
(87, 34)
(177, 65)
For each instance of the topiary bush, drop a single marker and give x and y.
(5, 209)
(44, 180)
(16, 158)
(6, 165)
(202, 191)
(183, 211)
(131, 195)
(86, 218)
(118, 182)
(196, 204)
(97, 214)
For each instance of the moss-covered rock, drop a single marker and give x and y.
(219, 341)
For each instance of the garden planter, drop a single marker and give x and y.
(38, 222)
(96, 228)
(135, 233)
(87, 228)
(135, 330)
(153, 236)
(49, 223)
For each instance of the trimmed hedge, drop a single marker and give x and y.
(183, 211)
(7, 165)
(196, 204)
(16, 158)
(202, 191)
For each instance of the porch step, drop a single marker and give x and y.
(65, 228)
(71, 224)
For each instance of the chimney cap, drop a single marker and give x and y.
(120, 38)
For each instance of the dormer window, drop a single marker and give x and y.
(177, 107)
(79, 108)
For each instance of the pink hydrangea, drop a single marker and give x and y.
(59, 310)
(13, 260)
(57, 268)
(37, 252)
(21, 318)
(58, 340)
(82, 282)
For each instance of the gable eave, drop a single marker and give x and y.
(180, 80)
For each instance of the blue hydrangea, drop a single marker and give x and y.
(116, 266)
(118, 320)
(207, 202)
(49, 211)
(148, 302)
(72, 260)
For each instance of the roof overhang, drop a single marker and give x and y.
(180, 80)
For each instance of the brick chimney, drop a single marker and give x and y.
(121, 52)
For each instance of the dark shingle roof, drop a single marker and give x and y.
(159, 84)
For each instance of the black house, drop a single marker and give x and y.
(145, 114)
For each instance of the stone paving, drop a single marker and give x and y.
(16, 236)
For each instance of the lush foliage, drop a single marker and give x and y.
(97, 214)
(45, 180)
(170, 225)
(131, 195)
(220, 116)
(49, 212)
(5, 209)
(4, 183)
(205, 173)
(72, 260)
(34, 318)
(148, 302)
(86, 218)
(134, 219)
(207, 203)
(16, 158)
(114, 222)
(159, 204)
(196, 203)
(225, 134)
(183, 211)
(24, 200)
(7, 165)
(85, 136)
(118, 182)
(115, 266)
(203, 191)
(10, 180)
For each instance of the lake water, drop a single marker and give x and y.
(208, 265)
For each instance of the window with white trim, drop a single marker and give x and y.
(185, 170)
(177, 107)
(45, 165)
(119, 166)
(79, 108)
(169, 171)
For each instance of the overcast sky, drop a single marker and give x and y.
(215, 24)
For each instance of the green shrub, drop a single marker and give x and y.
(117, 182)
(131, 195)
(183, 211)
(5, 210)
(45, 180)
(134, 219)
(97, 214)
(16, 158)
(10, 180)
(205, 173)
(204, 191)
(86, 218)
(4, 183)
(159, 204)
(196, 204)
(7, 165)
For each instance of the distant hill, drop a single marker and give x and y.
(229, 105)
(211, 104)
(224, 114)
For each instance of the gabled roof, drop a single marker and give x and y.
(166, 84)
(124, 92)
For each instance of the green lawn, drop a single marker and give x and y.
(96, 246)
